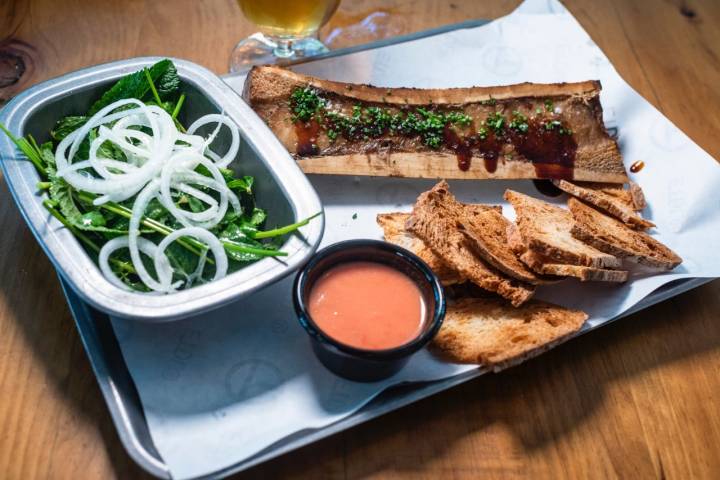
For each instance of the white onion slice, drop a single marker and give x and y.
(171, 175)
(146, 246)
(141, 203)
(230, 155)
(202, 235)
(198, 270)
(125, 186)
(205, 215)
(160, 163)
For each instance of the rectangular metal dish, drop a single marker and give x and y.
(281, 188)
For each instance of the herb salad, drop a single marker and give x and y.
(150, 199)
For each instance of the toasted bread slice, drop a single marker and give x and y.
(546, 229)
(437, 226)
(549, 269)
(632, 196)
(492, 334)
(389, 152)
(585, 274)
(488, 234)
(607, 203)
(393, 225)
(611, 236)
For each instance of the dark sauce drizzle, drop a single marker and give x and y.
(307, 133)
(550, 150)
(488, 147)
(461, 146)
(551, 153)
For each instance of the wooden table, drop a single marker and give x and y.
(636, 399)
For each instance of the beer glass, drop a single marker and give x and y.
(288, 29)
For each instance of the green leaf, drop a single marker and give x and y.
(238, 235)
(134, 85)
(66, 125)
(110, 150)
(169, 83)
(83, 151)
(61, 193)
(92, 219)
(156, 211)
(47, 155)
(234, 233)
(258, 217)
(183, 262)
(195, 204)
(106, 150)
(243, 184)
(168, 106)
(122, 266)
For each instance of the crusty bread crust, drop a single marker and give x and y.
(637, 195)
(609, 235)
(490, 333)
(607, 203)
(267, 89)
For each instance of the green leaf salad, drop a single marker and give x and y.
(151, 200)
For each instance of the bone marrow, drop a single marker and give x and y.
(538, 131)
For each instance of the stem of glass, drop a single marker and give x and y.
(284, 48)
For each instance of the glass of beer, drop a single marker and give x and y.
(288, 30)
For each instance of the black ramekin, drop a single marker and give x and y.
(355, 363)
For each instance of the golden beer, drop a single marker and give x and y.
(288, 18)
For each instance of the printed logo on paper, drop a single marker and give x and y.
(252, 378)
(181, 354)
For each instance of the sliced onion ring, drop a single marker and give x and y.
(160, 160)
(146, 246)
(202, 235)
(230, 155)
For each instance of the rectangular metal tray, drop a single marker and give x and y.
(125, 408)
(124, 404)
(282, 188)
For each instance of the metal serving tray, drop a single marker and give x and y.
(282, 189)
(119, 391)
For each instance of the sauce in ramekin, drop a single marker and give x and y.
(367, 305)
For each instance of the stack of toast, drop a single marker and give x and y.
(592, 240)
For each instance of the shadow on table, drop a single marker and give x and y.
(538, 403)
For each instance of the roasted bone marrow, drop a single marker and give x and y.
(536, 131)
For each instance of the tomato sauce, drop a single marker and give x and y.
(367, 305)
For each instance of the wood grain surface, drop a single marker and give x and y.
(636, 399)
